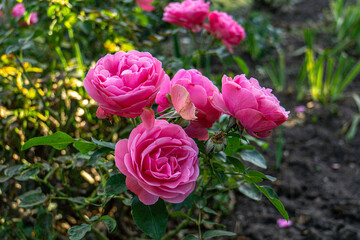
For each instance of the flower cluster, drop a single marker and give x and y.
(160, 159)
(19, 10)
(192, 14)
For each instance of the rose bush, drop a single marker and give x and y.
(190, 14)
(223, 26)
(160, 161)
(257, 109)
(200, 89)
(124, 83)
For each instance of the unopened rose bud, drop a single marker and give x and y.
(216, 143)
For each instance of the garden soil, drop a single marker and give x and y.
(319, 177)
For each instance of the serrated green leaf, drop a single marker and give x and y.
(58, 140)
(104, 144)
(115, 184)
(96, 155)
(4, 178)
(249, 190)
(233, 144)
(209, 210)
(217, 233)
(31, 198)
(94, 218)
(253, 157)
(83, 146)
(274, 199)
(79, 231)
(239, 166)
(15, 170)
(151, 219)
(26, 175)
(109, 222)
(44, 226)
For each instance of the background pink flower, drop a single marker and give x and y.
(189, 14)
(200, 90)
(18, 10)
(223, 26)
(124, 83)
(33, 18)
(257, 109)
(160, 161)
(145, 5)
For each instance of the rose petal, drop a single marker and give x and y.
(181, 100)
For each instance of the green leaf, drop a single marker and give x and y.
(104, 144)
(4, 178)
(151, 219)
(96, 155)
(58, 140)
(109, 222)
(2, 167)
(209, 210)
(239, 166)
(94, 218)
(31, 198)
(11, 49)
(44, 226)
(78, 200)
(190, 237)
(79, 231)
(250, 190)
(274, 199)
(217, 233)
(15, 170)
(242, 65)
(26, 175)
(115, 184)
(84, 147)
(253, 157)
(233, 144)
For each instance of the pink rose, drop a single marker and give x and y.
(18, 10)
(145, 5)
(124, 83)
(222, 26)
(189, 14)
(199, 89)
(33, 18)
(256, 108)
(160, 161)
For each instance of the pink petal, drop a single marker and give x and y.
(194, 131)
(237, 98)
(254, 120)
(145, 197)
(148, 117)
(218, 103)
(181, 100)
(283, 223)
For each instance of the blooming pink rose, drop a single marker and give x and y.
(145, 5)
(189, 14)
(222, 26)
(18, 10)
(257, 109)
(200, 89)
(124, 83)
(160, 161)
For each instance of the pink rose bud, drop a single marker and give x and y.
(256, 108)
(222, 26)
(33, 18)
(160, 161)
(283, 223)
(199, 89)
(101, 114)
(189, 14)
(145, 5)
(18, 10)
(125, 83)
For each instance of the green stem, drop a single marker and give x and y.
(50, 173)
(176, 230)
(62, 57)
(176, 45)
(99, 234)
